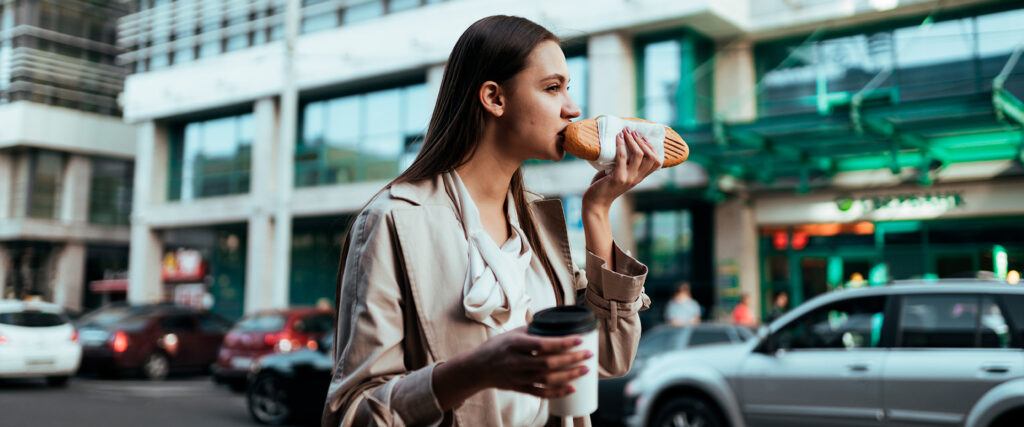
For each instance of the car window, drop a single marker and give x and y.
(261, 323)
(853, 323)
(178, 323)
(939, 321)
(995, 332)
(32, 319)
(703, 337)
(115, 316)
(1015, 311)
(316, 324)
(658, 341)
(743, 334)
(214, 323)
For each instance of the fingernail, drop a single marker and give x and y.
(588, 354)
(577, 341)
(571, 390)
(584, 370)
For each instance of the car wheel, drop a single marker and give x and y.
(687, 412)
(156, 367)
(61, 381)
(266, 400)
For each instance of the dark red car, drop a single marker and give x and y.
(267, 332)
(151, 339)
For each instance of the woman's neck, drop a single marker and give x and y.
(488, 174)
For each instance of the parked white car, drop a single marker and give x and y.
(37, 341)
(946, 353)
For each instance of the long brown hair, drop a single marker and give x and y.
(495, 49)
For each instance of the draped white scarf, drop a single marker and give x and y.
(494, 292)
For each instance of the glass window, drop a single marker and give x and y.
(939, 321)
(158, 61)
(110, 191)
(664, 238)
(995, 332)
(214, 323)
(658, 341)
(854, 323)
(661, 81)
(32, 319)
(362, 12)
(703, 337)
(45, 185)
(185, 55)
(236, 42)
(323, 21)
(261, 323)
(211, 158)
(400, 5)
(1015, 309)
(578, 82)
(361, 137)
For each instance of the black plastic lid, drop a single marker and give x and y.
(563, 320)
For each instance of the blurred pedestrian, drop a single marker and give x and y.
(741, 314)
(443, 268)
(683, 310)
(780, 305)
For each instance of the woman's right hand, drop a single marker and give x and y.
(541, 366)
(515, 360)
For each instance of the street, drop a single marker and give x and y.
(87, 401)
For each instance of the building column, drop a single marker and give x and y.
(736, 256)
(285, 161)
(612, 75)
(6, 187)
(259, 278)
(735, 81)
(69, 279)
(612, 90)
(150, 187)
(5, 269)
(75, 186)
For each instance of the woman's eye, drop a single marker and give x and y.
(554, 87)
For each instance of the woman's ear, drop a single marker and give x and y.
(493, 98)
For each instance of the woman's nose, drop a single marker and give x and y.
(571, 110)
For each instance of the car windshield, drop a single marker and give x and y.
(261, 323)
(124, 317)
(32, 319)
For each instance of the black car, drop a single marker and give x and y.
(612, 407)
(291, 387)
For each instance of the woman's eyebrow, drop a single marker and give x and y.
(556, 76)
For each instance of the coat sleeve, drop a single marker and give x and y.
(372, 384)
(616, 294)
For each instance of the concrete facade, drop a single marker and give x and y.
(412, 42)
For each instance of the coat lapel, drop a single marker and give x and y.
(553, 236)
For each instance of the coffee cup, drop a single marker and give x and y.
(572, 320)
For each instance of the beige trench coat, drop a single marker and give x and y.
(400, 308)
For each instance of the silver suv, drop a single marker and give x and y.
(937, 353)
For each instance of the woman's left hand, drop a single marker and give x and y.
(635, 159)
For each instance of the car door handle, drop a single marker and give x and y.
(858, 367)
(995, 369)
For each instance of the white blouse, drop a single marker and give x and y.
(504, 287)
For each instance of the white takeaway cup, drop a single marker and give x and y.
(571, 320)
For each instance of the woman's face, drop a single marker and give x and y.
(539, 107)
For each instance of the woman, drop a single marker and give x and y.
(444, 267)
